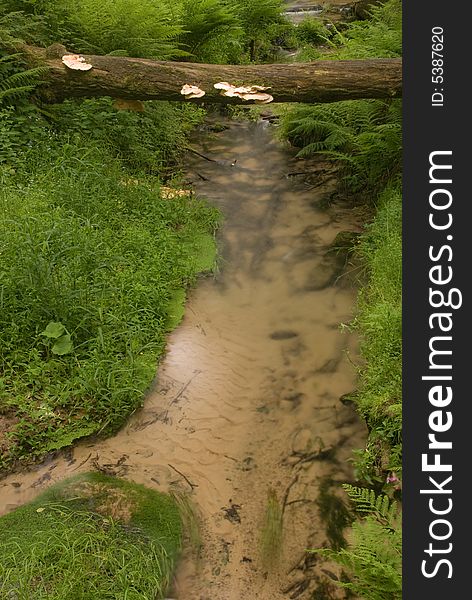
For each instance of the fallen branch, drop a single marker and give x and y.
(144, 79)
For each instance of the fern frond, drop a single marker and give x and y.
(373, 558)
(16, 84)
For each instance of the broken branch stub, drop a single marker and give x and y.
(76, 62)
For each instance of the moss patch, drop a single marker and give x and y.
(90, 537)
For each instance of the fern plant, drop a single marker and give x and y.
(364, 135)
(16, 27)
(378, 37)
(373, 557)
(20, 121)
(16, 84)
(256, 17)
(210, 29)
(134, 27)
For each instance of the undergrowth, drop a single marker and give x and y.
(363, 136)
(374, 553)
(95, 259)
(219, 31)
(84, 245)
(379, 321)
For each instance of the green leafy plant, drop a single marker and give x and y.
(58, 339)
(211, 30)
(365, 136)
(373, 557)
(256, 17)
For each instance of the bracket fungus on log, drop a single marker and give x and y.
(76, 62)
(246, 92)
(191, 91)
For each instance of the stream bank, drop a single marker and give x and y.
(246, 404)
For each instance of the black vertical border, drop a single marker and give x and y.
(428, 128)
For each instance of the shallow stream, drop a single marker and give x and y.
(246, 403)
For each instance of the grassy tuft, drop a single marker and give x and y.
(90, 537)
(272, 531)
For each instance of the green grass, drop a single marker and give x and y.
(379, 322)
(88, 538)
(85, 245)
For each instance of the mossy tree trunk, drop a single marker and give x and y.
(144, 79)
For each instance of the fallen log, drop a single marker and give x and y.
(74, 76)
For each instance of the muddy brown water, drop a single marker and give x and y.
(247, 397)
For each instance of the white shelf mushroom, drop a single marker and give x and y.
(191, 91)
(76, 62)
(222, 85)
(259, 98)
(252, 92)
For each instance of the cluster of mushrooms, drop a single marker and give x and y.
(245, 92)
(76, 62)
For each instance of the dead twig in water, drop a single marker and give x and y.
(321, 454)
(200, 154)
(306, 500)
(83, 462)
(192, 485)
(179, 394)
(165, 414)
(287, 492)
(294, 173)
